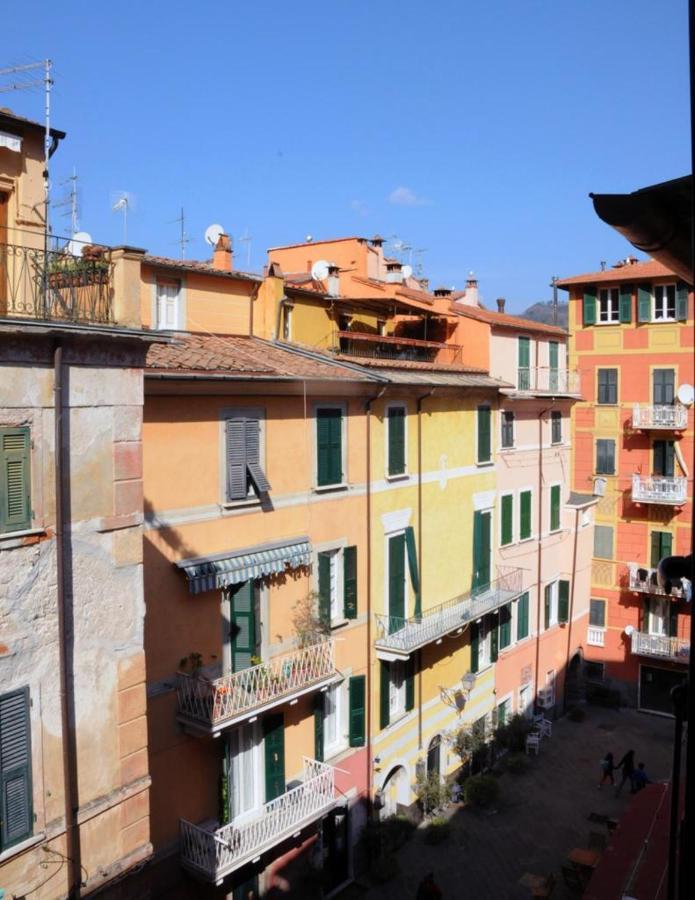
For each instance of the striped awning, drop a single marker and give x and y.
(206, 573)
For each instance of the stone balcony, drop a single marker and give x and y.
(667, 418)
(645, 581)
(548, 382)
(659, 489)
(660, 647)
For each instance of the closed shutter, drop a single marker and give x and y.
(681, 301)
(644, 303)
(522, 617)
(590, 306)
(484, 446)
(384, 694)
(350, 582)
(274, 746)
(663, 387)
(481, 550)
(505, 626)
(357, 693)
(329, 449)
(555, 507)
(605, 457)
(237, 486)
(547, 603)
(396, 434)
(16, 808)
(507, 519)
(626, 303)
(15, 485)
(553, 362)
(396, 582)
(475, 647)
(662, 543)
(563, 601)
(410, 683)
(243, 625)
(325, 588)
(524, 357)
(253, 456)
(525, 515)
(318, 726)
(493, 624)
(413, 568)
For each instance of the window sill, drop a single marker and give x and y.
(484, 463)
(22, 846)
(527, 540)
(340, 623)
(330, 753)
(240, 504)
(326, 488)
(603, 324)
(401, 476)
(661, 322)
(9, 536)
(506, 449)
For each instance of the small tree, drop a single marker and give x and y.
(308, 625)
(431, 791)
(469, 744)
(512, 735)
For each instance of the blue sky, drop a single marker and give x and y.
(472, 130)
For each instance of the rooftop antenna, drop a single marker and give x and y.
(418, 266)
(183, 237)
(553, 285)
(122, 202)
(246, 239)
(70, 200)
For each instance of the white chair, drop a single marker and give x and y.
(533, 743)
(546, 728)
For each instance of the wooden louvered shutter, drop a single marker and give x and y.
(252, 433)
(16, 808)
(325, 588)
(555, 507)
(318, 727)
(410, 684)
(384, 694)
(413, 568)
(494, 629)
(662, 543)
(644, 303)
(505, 626)
(357, 695)
(396, 582)
(547, 602)
(15, 485)
(681, 301)
(626, 303)
(484, 446)
(274, 745)
(475, 647)
(589, 308)
(507, 519)
(237, 485)
(553, 352)
(522, 617)
(563, 601)
(525, 515)
(350, 582)
(396, 440)
(524, 362)
(329, 446)
(481, 549)
(243, 625)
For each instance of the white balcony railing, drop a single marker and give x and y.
(596, 637)
(539, 380)
(213, 704)
(645, 582)
(659, 489)
(212, 853)
(657, 645)
(668, 417)
(397, 637)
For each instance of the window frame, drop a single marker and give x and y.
(602, 601)
(507, 426)
(254, 751)
(396, 476)
(598, 525)
(397, 690)
(674, 380)
(608, 387)
(512, 538)
(612, 306)
(664, 302)
(245, 412)
(551, 489)
(490, 460)
(605, 442)
(179, 304)
(555, 420)
(342, 406)
(665, 462)
(553, 618)
(27, 523)
(332, 748)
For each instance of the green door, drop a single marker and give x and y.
(481, 550)
(242, 618)
(553, 356)
(524, 378)
(274, 745)
(396, 582)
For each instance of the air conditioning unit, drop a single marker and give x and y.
(546, 698)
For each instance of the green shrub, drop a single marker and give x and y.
(516, 763)
(512, 735)
(432, 792)
(437, 831)
(481, 791)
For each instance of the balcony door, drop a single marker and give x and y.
(482, 530)
(396, 582)
(664, 459)
(524, 363)
(243, 767)
(240, 627)
(274, 749)
(660, 617)
(4, 204)
(553, 353)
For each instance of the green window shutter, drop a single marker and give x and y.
(16, 806)
(357, 693)
(626, 303)
(274, 746)
(252, 430)
(329, 446)
(396, 437)
(475, 647)
(494, 627)
(410, 683)
(563, 601)
(525, 515)
(384, 694)
(507, 519)
(662, 543)
(681, 301)
(524, 362)
(243, 625)
(505, 626)
(590, 306)
(555, 507)
(396, 582)
(413, 568)
(15, 482)
(553, 350)
(318, 727)
(644, 303)
(481, 550)
(325, 588)
(522, 617)
(484, 445)
(547, 602)
(350, 582)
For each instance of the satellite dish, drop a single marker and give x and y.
(212, 234)
(309, 238)
(78, 242)
(407, 271)
(686, 394)
(629, 630)
(319, 271)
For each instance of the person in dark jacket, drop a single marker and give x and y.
(607, 769)
(640, 778)
(428, 889)
(627, 764)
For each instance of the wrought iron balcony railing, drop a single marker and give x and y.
(671, 418)
(645, 582)
(211, 705)
(659, 489)
(378, 346)
(397, 638)
(53, 285)
(539, 380)
(212, 853)
(660, 646)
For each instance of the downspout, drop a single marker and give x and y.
(419, 553)
(252, 300)
(540, 546)
(283, 300)
(571, 609)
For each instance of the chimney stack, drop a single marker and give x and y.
(333, 280)
(500, 304)
(222, 257)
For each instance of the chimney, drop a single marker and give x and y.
(442, 291)
(333, 280)
(394, 272)
(376, 241)
(222, 257)
(471, 296)
(500, 304)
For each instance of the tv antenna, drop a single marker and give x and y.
(183, 237)
(246, 239)
(70, 200)
(553, 284)
(418, 265)
(122, 202)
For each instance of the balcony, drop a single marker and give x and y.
(54, 285)
(660, 647)
(392, 347)
(596, 637)
(397, 638)
(548, 382)
(645, 581)
(211, 705)
(659, 489)
(669, 418)
(212, 853)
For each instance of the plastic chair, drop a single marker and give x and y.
(533, 742)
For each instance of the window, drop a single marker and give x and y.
(555, 507)
(524, 364)
(504, 711)
(605, 457)
(483, 651)
(244, 765)
(555, 427)
(525, 705)
(484, 443)
(522, 617)
(396, 440)
(563, 600)
(356, 686)
(663, 387)
(397, 690)
(16, 806)
(329, 446)
(661, 546)
(507, 419)
(337, 585)
(593, 670)
(597, 613)
(243, 458)
(168, 305)
(608, 386)
(664, 459)
(553, 357)
(505, 626)
(609, 305)
(664, 309)
(507, 519)
(659, 616)
(603, 541)
(15, 483)
(332, 731)
(550, 604)
(524, 515)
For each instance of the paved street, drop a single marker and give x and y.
(542, 814)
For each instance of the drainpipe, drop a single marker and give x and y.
(252, 301)
(571, 609)
(540, 545)
(65, 650)
(281, 304)
(419, 552)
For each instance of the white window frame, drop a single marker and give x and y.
(177, 305)
(550, 682)
(405, 473)
(343, 483)
(235, 412)
(287, 316)
(525, 701)
(605, 609)
(336, 550)
(512, 446)
(397, 687)
(562, 430)
(660, 306)
(608, 297)
(254, 749)
(484, 645)
(659, 611)
(554, 597)
(508, 698)
(335, 696)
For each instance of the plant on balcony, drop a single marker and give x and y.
(65, 270)
(191, 664)
(309, 626)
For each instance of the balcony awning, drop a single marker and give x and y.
(206, 573)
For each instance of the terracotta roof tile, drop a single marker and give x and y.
(648, 269)
(192, 265)
(378, 363)
(504, 320)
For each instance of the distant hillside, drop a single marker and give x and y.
(543, 312)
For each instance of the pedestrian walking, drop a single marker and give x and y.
(428, 889)
(607, 769)
(627, 764)
(640, 778)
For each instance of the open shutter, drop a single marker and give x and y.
(396, 437)
(507, 519)
(350, 582)
(475, 647)
(237, 487)
(413, 568)
(396, 582)
(484, 446)
(329, 446)
(644, 303)
(681, 301)
(318, 726)
(16, 810)
(590, 306)
(357, 692)
(274, 745)
(547, 601)
(325, 588)
(525, 525)
(481, 549)
(410, 683)
(505, 626)
(243, 625)
(493, 628)
(626, 303)
(522, 617)
(384, 694)
(555, 507)
(15, 486)
(252, 432)
(524, 362)
(553, 365)
(563, 601)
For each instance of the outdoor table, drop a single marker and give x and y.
(585, 858)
